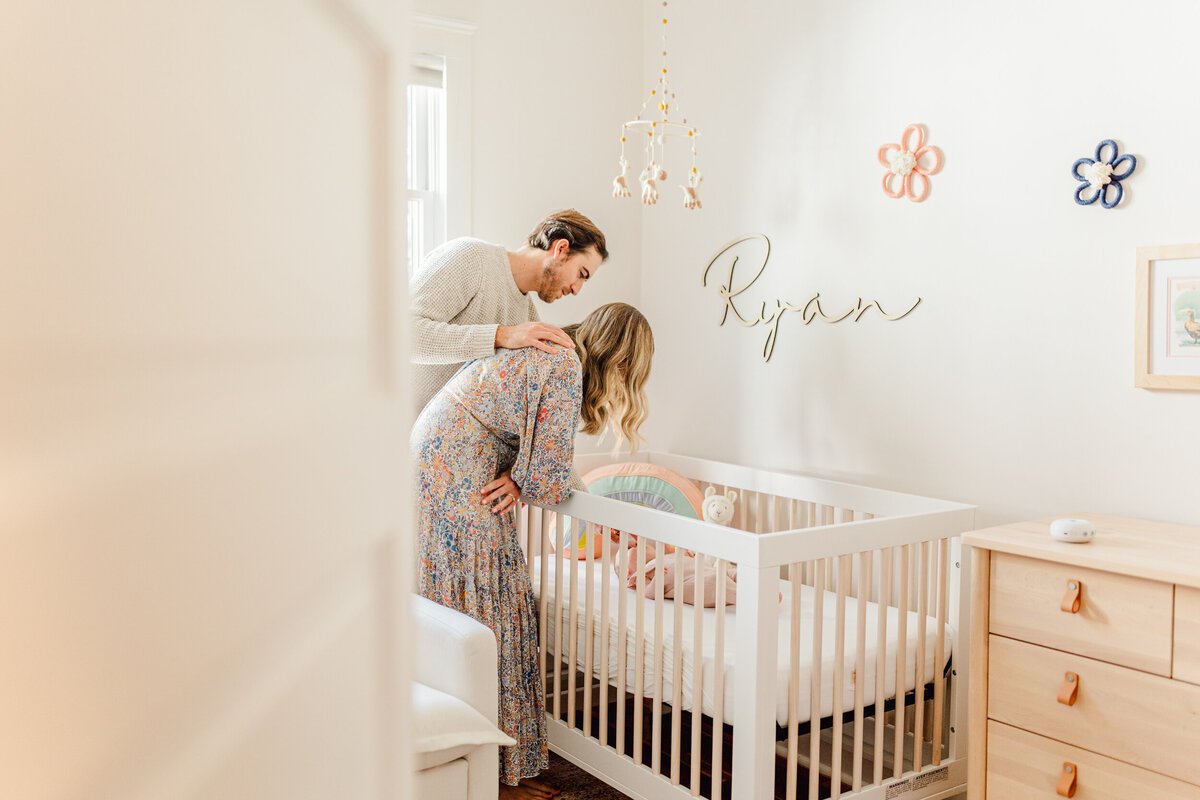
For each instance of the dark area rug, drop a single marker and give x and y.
(576, 783)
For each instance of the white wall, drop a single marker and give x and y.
(1010, 386)
(545, 80)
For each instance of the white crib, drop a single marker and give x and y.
(863, 582)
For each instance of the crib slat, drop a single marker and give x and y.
(939, 650)
(795, 572)
(660, 560)
(622, 636)
(697, 676)
(827, 519)
(526, 525)
(885, 596)
(718, 735)
(933, 590)
(839, 668)
(573, 622)
(814, 714)
(559, 624)
(901, 660)
(677, 672)
(605, 566)
(543, 595)
(860, 663)
(639, 680)
(525, 536)
(919, 680)
(589, 626)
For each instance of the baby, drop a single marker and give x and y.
(682, 585)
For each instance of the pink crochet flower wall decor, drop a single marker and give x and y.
(906, 163)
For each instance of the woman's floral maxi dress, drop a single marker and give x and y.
(517, 410)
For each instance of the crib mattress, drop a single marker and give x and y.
(603, 581)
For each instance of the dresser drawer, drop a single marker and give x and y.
(1187, 634)
(1024, 766)
(1142, 719)
(1119, 619)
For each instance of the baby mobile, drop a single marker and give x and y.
(657, 131)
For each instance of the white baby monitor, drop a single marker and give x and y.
(1072, 530)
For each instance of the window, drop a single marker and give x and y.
(439, 135)
(427, 181)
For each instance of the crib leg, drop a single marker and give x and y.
(754, 683)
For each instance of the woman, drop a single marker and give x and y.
(519, 411)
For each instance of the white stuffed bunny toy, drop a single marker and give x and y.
(718, 508)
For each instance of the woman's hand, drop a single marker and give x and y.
(501, 494)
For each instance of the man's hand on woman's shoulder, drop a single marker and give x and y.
(531, 334)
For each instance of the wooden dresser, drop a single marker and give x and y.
(1085, 662)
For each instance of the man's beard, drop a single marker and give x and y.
(545, 290)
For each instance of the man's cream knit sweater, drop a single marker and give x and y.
(462, 293)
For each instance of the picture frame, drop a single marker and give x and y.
(1167, 318)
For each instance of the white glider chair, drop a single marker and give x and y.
(457, 743)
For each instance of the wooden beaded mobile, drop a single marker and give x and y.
(656, 132)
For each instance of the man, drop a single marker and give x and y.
(472, 297)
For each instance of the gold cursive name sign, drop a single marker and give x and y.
(811, 310)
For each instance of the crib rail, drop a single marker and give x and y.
(664, 701)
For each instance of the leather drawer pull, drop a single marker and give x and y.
(1070, 601)
(1066, 781)
(1070, 689)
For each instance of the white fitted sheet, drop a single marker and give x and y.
(608, 581)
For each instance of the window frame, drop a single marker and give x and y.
(426, 206)
(450, 41)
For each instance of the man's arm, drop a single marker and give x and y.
(437, 297)
(440, 294)
(532, 334)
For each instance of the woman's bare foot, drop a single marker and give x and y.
(528, 789)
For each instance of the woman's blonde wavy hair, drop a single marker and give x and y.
(614, 345)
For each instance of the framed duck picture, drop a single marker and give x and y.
(1167, 317)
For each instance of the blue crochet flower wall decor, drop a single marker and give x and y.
(1102, 176)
